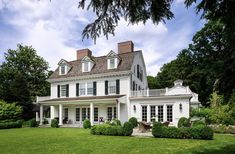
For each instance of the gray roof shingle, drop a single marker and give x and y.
(99, 67)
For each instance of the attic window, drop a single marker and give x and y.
(112, 63)
(62, 69)
(86, 66)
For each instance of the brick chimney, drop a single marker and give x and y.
(125, 47)
(82, 53)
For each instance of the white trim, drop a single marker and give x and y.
(94, 76)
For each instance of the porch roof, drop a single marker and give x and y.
(82, 100)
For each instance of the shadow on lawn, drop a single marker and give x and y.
(221, 150)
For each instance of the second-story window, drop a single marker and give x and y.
(112, 87)
(89, 88)
(82, 89)
(63, 91)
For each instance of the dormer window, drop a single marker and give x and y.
(87, 64)
(86, 67)
(62, 70)
(112, 60)
(112, 63)
(64, 67)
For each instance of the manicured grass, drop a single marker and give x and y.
(74, 140)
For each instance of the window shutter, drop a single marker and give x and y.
(138, 72)
(58, 91)
(106, 87)
(117, 87)
(77, 89)
(94, 88)
(67, 90)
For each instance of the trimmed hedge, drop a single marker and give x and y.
(133, 121)
(115, 122)
(197, 132)
(7, 125)
(113, 130)
(33, 123)
(198, 122)
(54, 123)
(86, 124)
(183, 122)
(106, 129)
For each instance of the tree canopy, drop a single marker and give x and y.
(23, 76)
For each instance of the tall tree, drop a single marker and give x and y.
(109, 12)
(201, 65)
(23, 76)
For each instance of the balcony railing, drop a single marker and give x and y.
(148, 93)
(42, 98)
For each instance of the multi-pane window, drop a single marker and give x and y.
(112, 87)
(112, 63)
(85, 66)
(77, 114)
(89, 88)
(144, 113)
(169, 113)
(153, 113)
(160, 113)
(83, 114)
(82, 89)
(96, 112)
(66, 113)
(63, 90)
(114, 112)
(62, 69)
(109, 113)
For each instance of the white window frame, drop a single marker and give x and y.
(114, 65)
(63, 91)
(112, 87)
(65, 70)
(86, 66)
(89, 88)
(82, 89)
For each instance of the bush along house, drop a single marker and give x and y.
(113, 86)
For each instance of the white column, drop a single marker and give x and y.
(52, 108)
(118, 110)
(37, 117)
(41, 114)
(60, 114)
(92, 113)
(148, 114)
(164, 113)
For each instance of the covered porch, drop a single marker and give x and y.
(71, 112)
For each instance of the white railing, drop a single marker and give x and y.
(148, 93)
(42, 98)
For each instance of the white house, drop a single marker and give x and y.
(111, 86)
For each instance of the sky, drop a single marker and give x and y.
(54, 29)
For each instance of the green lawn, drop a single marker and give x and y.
(74, 140)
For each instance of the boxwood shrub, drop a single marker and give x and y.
(198, 122)
(106, 129)
(133, 121)
(7, 125)
(54, 123)
(183, 122)
(113, 130)
(197, 132)
(86, 124)
(33, 123)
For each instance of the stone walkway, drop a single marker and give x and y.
(138, 134)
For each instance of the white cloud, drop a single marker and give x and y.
(54, 29)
